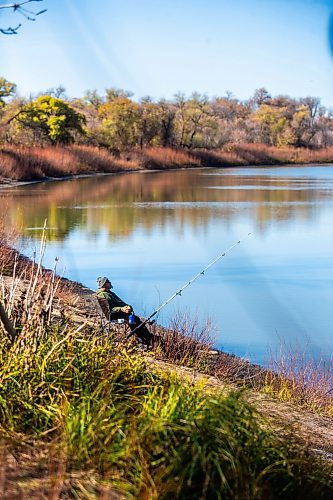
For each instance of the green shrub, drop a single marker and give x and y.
(148, 433)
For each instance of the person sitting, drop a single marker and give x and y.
(118, 309)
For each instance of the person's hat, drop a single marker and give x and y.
(102, 280)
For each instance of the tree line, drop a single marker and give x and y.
(118, 122)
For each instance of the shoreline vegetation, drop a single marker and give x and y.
(84, 413)
(34, 163)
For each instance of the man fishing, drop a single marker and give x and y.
(118, 309)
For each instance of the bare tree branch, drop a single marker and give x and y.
(18, 7)
(10, 31)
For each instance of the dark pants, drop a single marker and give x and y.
(143, 333)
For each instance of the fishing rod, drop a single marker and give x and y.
(179, 292)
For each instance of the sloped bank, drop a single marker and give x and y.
(85, 413)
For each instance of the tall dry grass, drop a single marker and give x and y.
(27, 279)
(186, 341)
(296, 376)
(7, 252)
(28, 310)
(35, 163)
(166, 158)
(260, 154)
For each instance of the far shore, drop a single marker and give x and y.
(10, 183)
(20, 165)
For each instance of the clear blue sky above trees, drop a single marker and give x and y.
(159, 47)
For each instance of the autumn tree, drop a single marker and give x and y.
(300, 127)
(232, 116)
(201, 120)
(314, 112)
(120, 123)
(89, 106)
(150, 123)
(113, 93)
(116, 121)
(58, 92)
(7, 89)
(285, 121)
(260, 96)
(324, 125)
(167, 113)
(92, 99)
(8, 107)
(50, 119)
(192, 120)
(274, 120)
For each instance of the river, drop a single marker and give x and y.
(150, 232)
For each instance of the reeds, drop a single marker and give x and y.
(36, 163)
(166, 158)
(297, 376)
(7, 253)
(186, 341)
(28, 293)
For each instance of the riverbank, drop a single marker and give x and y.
(27, 164)
(293, 377)
(85, 412)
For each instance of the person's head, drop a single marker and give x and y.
(104, 282)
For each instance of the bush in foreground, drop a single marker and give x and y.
(139, 431)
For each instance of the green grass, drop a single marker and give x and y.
(140, 431)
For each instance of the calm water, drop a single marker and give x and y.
(151, 232)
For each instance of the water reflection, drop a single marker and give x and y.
(119, 203)
(153, 231)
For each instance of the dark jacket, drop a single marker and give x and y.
(115, 302)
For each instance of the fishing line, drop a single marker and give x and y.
(180, 291)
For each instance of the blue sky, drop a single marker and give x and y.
(157, 47)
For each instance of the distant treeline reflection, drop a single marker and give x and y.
(117, 204)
